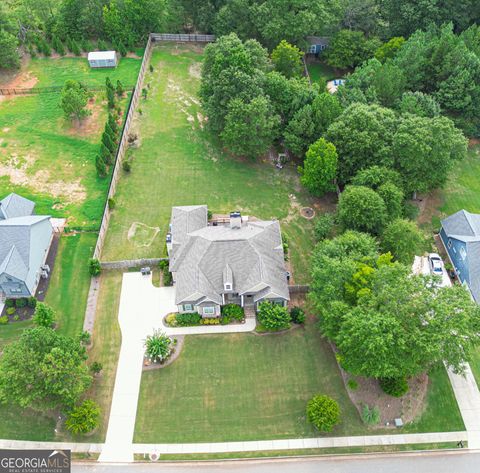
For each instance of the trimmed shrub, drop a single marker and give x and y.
(58, 46)
(396, 387)
(11, 310)
(171, 320)
(297, 315)
(94, 267)
(126, 165)
(32, 302)
(4, 320)
(323, 412)
(273, 316)
(210, 321)
(83, 418)
(22, 302)
(233, 311)
(370, 416)
(16, 317)
(111, 203)
(167, 277)
(10, 302)
(185, 319)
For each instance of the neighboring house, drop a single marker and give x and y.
(240, 262)
(98, 59)
(460, 235)
(317, 44)
(25, 239)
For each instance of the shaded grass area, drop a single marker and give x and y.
(179, 163)
(256, 388)
(70, 282)
(321, 72)
(49, 159)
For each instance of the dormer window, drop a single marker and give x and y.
(228, 287)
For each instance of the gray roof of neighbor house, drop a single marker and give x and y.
(15, 205)
(465, 226)
(250, 256)
(24, 240)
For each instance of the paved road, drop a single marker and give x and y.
(441, 462)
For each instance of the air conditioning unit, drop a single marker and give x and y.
(45, 267)
(44, 274)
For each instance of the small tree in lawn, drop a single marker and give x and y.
(287, 59)
(108, 142)
(75, 48)
(74, 100)
(83, 418)
(96, 367)
(113, 123)
(109, 131)
(44, 315)
(323, 412)
(111, 97)
(320, 167)
(158, 346)
(273, 316)
(119, 89)
(106, 154)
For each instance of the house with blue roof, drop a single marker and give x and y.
(25, 240)
(460, 235)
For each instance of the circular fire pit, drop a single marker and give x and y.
(307, 212)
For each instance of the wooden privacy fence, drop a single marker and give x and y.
(122, 148)
(298, 289)
(187, 38)
(131, 263)
(52, 90)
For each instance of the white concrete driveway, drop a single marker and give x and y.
(142, 309)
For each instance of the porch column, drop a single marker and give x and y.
(241, 300)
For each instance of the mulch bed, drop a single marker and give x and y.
(177, 349)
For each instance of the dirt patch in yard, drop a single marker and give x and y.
(141, 234)
(428, 206)
(22, 80)
(16, 169)
(88, 126)
(195, 70)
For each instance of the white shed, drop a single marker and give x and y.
(102, 59)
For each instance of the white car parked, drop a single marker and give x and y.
(436, 264)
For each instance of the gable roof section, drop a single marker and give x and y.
(14, 205)
(13, 265)
(463, 226)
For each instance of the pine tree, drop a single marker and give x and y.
(122, 49)
(113, 123)
(58, 45)
(111, 97)
(106, 154)
(75, 48)
(108, 142)
(108, 83)
(110, 132)
(100, 166)
(119, 88)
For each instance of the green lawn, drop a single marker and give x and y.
(45, 157)
(178, 163)
(319, 71)
(70, 281)
(251, 387)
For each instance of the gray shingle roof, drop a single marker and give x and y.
(24, 239)
(251, 256)
(465, 226)
(15, 205)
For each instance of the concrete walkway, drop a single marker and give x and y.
(297, 444)
(142, 309)
(468, 400)
(91, 310)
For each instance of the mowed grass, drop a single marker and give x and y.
(319, 71)
(250, 387)
(49, 159)
(179, 163)
(70, 282)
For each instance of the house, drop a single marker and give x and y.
(460, 234)
(237, 262)
(317, 44)
(25, 239)
(98, 59)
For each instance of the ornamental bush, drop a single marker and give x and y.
(32, 302)
(297, 315)
(4, 320)
(324, 226)
(273, 316)
(370, 416)
(44, 315)
(83, 418)
(158, 346)
(11, 310)
(396, 387)
(323, 412)
(233, 311)
(19, 303)
(171, 320)
(94, 267)
(188, 318)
